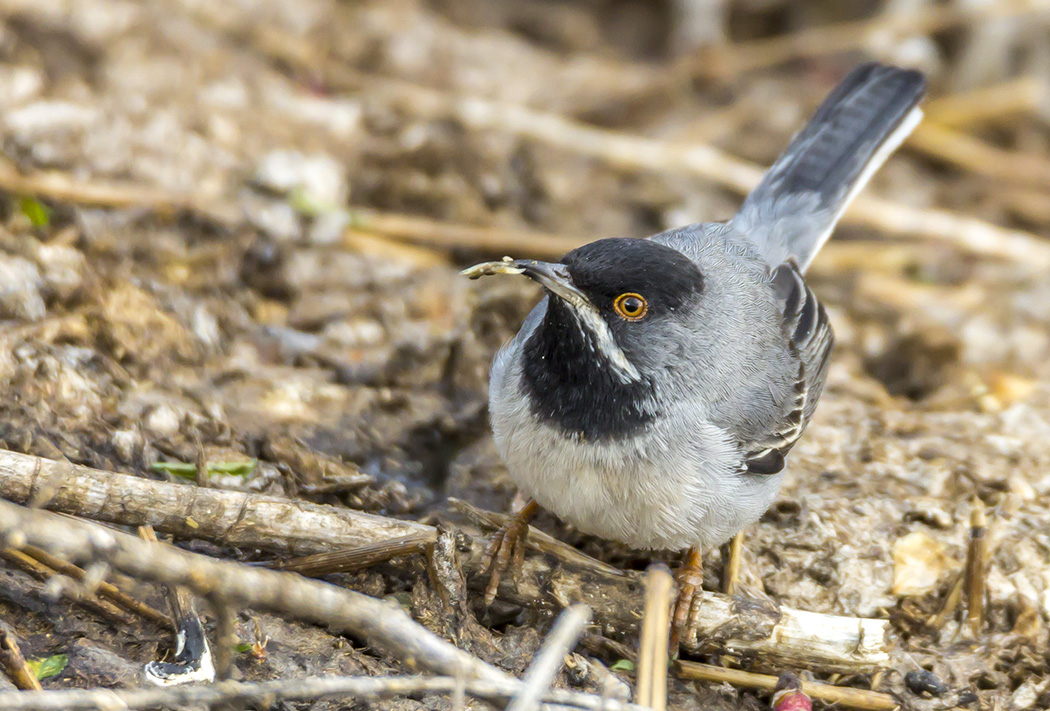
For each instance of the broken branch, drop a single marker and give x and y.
(381, 623)
(309, 689)
(774, 635)
(228, 518)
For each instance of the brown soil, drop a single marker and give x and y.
(135, 334)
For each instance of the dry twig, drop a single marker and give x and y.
(350, 559)
(383, 624)
(225, 635)
(445, 235)
(46, 574)
(549, 660)
(976, 567)
(731, 571)
(229, 518)
(1023, 95)
(843, 696)
(651, 690)
(981, 158)
(723, 62)
(309, 689)
(951, 603)
(619, 149)
(777, 635)
(14, 663)
(636, 152)
(103, 588)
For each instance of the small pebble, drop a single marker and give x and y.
(924, 681)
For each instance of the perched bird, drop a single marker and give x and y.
(652, 396)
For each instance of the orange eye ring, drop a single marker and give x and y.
(631, 306)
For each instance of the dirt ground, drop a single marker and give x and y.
(240, 299)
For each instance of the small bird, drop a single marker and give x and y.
(653, 394)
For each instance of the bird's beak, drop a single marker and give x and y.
(555, 278)
(552, 276)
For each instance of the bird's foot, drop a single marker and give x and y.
(685, 616)
(506, 549)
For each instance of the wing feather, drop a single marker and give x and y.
(808, 330)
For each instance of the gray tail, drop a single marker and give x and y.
(865, 118)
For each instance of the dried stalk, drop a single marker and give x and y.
(951, 603)
(549, 660)
(45, 574)
(379, 245)
(104, 589)
(226, 517)
(309, 689)
(774, 635)
(450, 236)
(537, 539)
(1029, 205)
(636, 152)
(651, 690)
(619, 149)
(843, 696)
(723, 62)
(1023, 95)
(777, 636)
(972, 154)
(350, 559)
(731, 572)
(14, 663)
(225, 635)
(976, 567)
(381, 623)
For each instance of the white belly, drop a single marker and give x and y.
(666, 492)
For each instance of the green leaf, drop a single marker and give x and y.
(179, 469)
(244, 647)
(51, 666)
(189, 471)
(625, 665)
(242, 468)
(38, 213)
(307, 205)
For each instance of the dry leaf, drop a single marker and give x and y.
(918, 563)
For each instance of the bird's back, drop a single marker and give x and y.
(763, 360)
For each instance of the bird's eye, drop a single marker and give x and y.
(631, 306)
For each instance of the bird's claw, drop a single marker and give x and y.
(686, 616)
(506, 551)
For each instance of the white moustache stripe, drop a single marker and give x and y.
(590, 319)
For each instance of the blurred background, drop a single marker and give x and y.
(232, 230)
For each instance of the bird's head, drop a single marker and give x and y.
(621, 297)
(617, 313)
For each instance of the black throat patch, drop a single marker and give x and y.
(570, 385)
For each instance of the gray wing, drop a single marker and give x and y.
(810, 338)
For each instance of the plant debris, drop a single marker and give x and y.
(230, 247)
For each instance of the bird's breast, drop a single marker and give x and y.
(653, 490)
